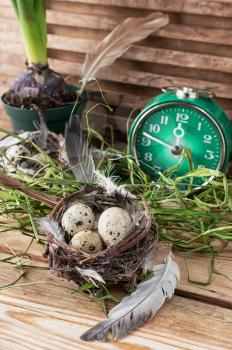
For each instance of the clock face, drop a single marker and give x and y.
(161, 134)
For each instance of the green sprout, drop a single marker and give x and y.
(31, 15)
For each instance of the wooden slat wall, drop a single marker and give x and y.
(195, 49)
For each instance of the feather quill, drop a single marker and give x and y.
(141, 305)
(78, 153)
(119, 41)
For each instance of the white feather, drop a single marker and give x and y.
(149, 261)
(90, 274)
(47, 225)
(151, 255)
(27, 171)
(141, 305)
(111, 187)
(12, 140)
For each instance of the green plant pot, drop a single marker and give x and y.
(55, 118)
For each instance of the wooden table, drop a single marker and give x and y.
(41, 313)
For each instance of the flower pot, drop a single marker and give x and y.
(55, 118)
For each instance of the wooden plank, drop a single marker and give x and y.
(135, 77)
(107, 23)
(4, 121)
(215, 8)
(197, 265)
(80, 9)
(14, 60)
(137, 52)
(184, 18)
(127, 92)
(183, 32)
(131, 92)
(220, 89)
(43, 314)
(159, 81)
(196, 33)
(147, 79)
(196, 46)
(177, 58)
(114, 11)
(12, 47)
(209, 21)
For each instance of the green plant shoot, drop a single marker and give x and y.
(31, 16)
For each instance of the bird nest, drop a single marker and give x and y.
(32, 142)
(116, 263)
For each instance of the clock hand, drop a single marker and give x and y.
(178, 132)
(157, 140)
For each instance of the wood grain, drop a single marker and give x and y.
(45, 315)
(196, 265)
(195, 49)
(75, 25)
(42, 312)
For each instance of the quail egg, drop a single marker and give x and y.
(39, 158)
(113, 225)
(77, 218)
(16, 153)
(88, 241)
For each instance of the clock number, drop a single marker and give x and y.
(199, 125)
(182, 117)
(148, 157)
(155, 128)
(209, 154)
(145, 141)
(207, 138)
(164, 120)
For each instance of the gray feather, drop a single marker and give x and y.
(79, 155)
(47, 225)
(141, 305)
(42, 127)
(43, 136)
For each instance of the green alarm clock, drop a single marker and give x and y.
(179, 119)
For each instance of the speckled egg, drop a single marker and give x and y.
(113, 225)
(16, 152)
(88, 241)
(76, 218)
(39, 158)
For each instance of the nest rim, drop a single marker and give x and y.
(139, 238)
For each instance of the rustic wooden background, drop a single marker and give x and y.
(195, 49)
